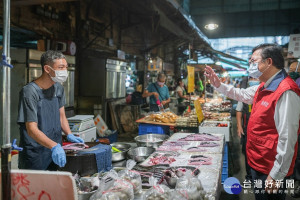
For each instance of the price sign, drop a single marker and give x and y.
(42, 185)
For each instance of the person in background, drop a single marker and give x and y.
(158, 91)
(273, 125)
(209, 89)
(294, 72)
(42, 116)
(243, 112)
(199, 85)
(181, 96)
(237, 83)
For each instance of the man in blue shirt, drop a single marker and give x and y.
(42, 116)
(158, 91)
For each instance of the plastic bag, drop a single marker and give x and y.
(106, 182)
(122, 190)
(190, 187)
(176, 195)
(109, 196)
(132, 177)
(156, 192)
(113, 188)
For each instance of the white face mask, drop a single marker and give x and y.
(253, 70)
(60, 75)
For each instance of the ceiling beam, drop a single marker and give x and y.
(36, 2)
(231, 63)
(170, 25)
(228, 56)
(215, 7)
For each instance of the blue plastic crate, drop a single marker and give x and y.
(226, 148)
(152, 128)
(112, 137)
(225, 164)
(224, 177)
(225, 170)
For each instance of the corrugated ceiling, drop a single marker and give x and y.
(247, 18)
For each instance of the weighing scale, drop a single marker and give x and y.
(80, 123)
(83, 126)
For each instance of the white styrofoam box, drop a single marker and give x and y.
(222, 130)
(87, 135)
(101, 126)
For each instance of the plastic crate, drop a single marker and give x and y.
(224, 177)
(225, 164)
(112, 137)
(152, 128)
(226, 149)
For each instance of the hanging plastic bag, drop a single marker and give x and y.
(134, 178)
(156, 192)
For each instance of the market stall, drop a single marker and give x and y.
(165, 159)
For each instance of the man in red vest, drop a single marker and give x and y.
(273, 126)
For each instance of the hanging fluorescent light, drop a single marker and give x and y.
(211, 26)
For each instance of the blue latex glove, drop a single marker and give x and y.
(58, 155)
(74, 139)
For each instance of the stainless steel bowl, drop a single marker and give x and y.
(150, 140)
(86, 195)
(140, 154)
(123, 147)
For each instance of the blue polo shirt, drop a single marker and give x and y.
(163, 91)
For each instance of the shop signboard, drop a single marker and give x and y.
(155, 64)
(191, 79)
(294, 46)
(198, 110)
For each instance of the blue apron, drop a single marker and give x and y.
(34, 155)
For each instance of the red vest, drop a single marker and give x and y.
(262, 135)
